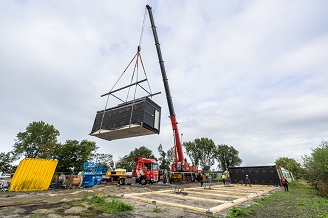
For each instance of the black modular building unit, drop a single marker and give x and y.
(135, 118)
(264, 175)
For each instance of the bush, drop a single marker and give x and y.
(316, 168)
(323, 187)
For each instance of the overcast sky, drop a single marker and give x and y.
(249, 74)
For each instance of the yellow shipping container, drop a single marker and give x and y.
(33, 175)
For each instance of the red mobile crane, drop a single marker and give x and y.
(180, 169)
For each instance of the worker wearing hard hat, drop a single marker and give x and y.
(247, 181)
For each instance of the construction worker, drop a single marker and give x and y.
(284, 182)
(224, 179)
(200, 179)
(209, 179)
(247, 181)
(227, 175)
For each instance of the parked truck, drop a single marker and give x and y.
(92, 174)
(145, 171)
(113, 175)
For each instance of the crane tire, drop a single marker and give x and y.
(143, 181)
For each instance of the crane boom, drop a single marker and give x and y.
(178, 146)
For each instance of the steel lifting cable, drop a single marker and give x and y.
(136, 56)
(135, 89)
(144, 71)
(142, 28)
(102, 119)
(143, 67)
(136, 68)
(140, 41)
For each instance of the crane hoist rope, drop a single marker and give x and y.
(135, 73)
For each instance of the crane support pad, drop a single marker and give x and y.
(135, 118)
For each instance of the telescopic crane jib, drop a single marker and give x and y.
(180, 164)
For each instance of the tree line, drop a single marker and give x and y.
(40, 140)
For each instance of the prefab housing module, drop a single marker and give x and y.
(135, 118)
(264, 175)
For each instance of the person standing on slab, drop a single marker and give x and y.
(227, 175)
(247, 181)
(224, 179)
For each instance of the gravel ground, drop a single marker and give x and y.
(56, 203)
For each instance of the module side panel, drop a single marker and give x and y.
(264, 175)
(118, 117)
(127, 120)
(152, 114)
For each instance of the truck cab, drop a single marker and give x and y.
(146, 170)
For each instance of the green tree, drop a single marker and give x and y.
(163, 158)
(105, 159)
(73, 154)
(128, 161)
(316, 167)
(170, 155)
(38, 141)
(201, 152)
(289, 164)
(6, 160)
(227, 156)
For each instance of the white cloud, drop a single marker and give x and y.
(247, 74)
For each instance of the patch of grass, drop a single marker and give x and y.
(235, 212)
(116, 207)
(109, 206)
(301, 200)
(157, 210)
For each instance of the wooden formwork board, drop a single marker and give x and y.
(234, 192)
(190, 198)
(190, 202)
(210, 193)
(201, 200)
(166, 203)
